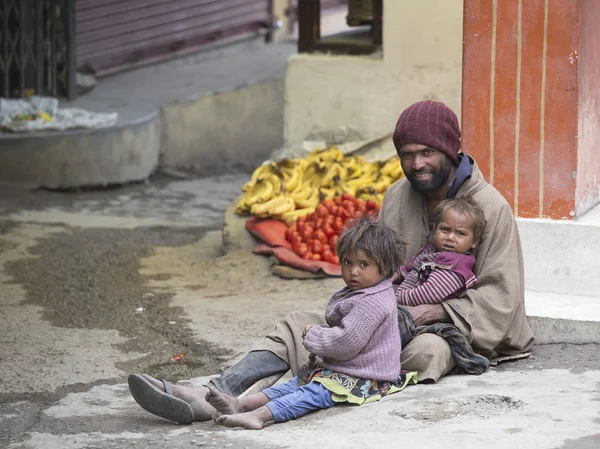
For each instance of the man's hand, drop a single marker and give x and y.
(428, 314)
(306, 329)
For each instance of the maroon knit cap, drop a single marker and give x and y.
(429, 123)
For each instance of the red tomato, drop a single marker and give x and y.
(319, 222)
(338, 224)
(316, 247)
(336, 259)
(301, 249)
(300, 221)
(321, 236)
(306, 232)
(329, 231)
(328, 204)
(337, 201)
(309, 217)
(347, 196)
(344, 213)
(335, 210)
(346, 204)
(308, 256)
(317, 256)
(289, 235)
(326, 247)
(371, 204)
(321, 211)
(328, 256)
(361, 205)
(333, 241)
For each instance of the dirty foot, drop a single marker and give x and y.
(254, 420)
(223, 403)
(195, 396)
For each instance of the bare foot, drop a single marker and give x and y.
(254, 420)
(223, 403)
(195, 396)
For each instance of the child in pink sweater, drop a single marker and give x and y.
(443, 269)
(356, 357)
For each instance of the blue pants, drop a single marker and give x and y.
(290, 401)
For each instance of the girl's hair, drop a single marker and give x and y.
(380, 243)
(464, 205)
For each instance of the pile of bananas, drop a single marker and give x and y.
(292, 188)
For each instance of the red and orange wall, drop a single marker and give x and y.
(531, 102)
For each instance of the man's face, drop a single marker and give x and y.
(426, 169)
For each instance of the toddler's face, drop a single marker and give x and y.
(359, 271)
(454, 233)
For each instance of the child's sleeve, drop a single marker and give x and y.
(439, 286)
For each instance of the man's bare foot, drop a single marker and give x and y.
(195, 396)
(223, 403)
(254, 420)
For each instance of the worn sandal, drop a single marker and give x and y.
(158, 402)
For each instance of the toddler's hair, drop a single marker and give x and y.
(380, 243)
(464, 205)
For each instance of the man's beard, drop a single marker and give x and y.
(438, 178)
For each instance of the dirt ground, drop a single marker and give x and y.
(95, 285)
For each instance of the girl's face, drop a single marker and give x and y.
(454, 233)
(359, 271)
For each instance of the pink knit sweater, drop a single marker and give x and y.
(362, 339)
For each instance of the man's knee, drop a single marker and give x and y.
(429, 355)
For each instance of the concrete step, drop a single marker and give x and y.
(563, 318)
(562, 256)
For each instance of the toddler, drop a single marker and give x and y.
(443, 269)
(356, 357)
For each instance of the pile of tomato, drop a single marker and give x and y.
(315, 236)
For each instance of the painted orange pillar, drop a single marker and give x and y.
(531, 102)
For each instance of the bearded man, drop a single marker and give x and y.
(487, 320)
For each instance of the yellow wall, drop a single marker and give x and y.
(422, 59)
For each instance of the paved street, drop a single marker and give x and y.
(100, 283)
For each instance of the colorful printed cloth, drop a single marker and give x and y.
(354, 390)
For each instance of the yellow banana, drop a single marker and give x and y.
(335, 173)
(242, 208)
(397, 173)
(260, 192)
(311, 201)
(390, 165)
(292, 216)
(288, 205)
(261, 209)
(331, 192)
(291, 179)
(263, 169)
(347, 188)
(303, 192)
(382, 183)
(273, 179)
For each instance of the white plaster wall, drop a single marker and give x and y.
(422, 59)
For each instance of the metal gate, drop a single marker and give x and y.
(37, 48)
(117, 34)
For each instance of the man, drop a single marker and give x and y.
(491, 315)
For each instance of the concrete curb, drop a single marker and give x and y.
(558, 330)
(82, 158)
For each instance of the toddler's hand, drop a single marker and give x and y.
(306, 329)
